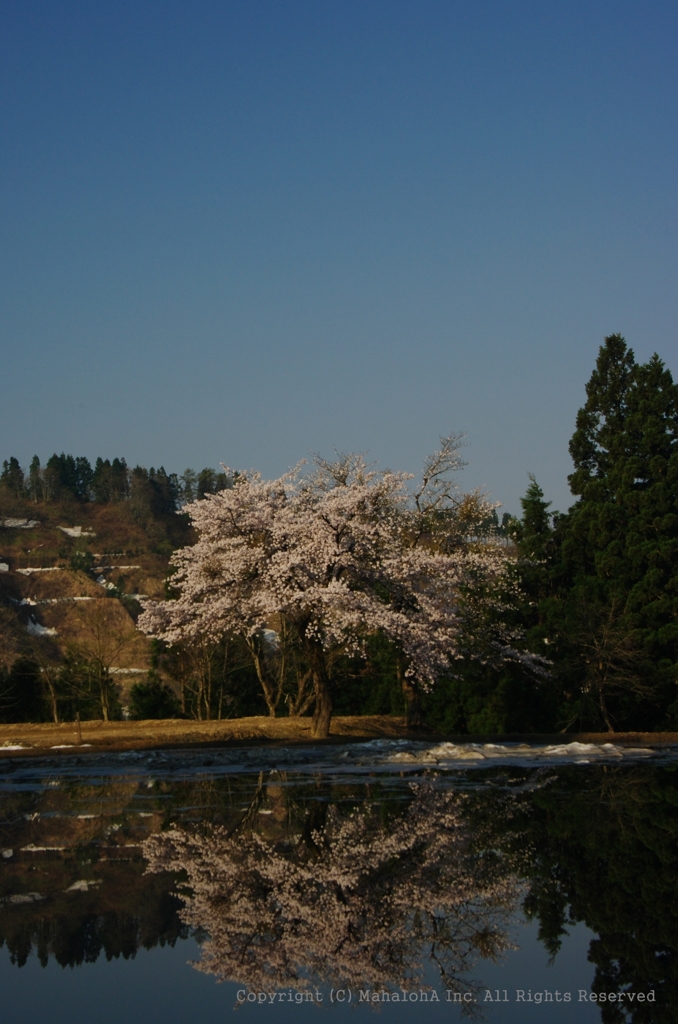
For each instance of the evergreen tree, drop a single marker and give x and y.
(534, 531)
(153, 699)
(210, 482)
(616, 577)
(21, 693)
(69, 477)
(110, 481)
(12, 477)
(189, 482)
(534, 536)
(35, 479)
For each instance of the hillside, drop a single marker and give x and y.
(72, 575)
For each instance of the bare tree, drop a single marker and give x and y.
(106, 633)
(615, 660)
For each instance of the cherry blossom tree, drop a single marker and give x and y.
(336, 555)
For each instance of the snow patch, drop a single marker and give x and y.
(84, 885)
(579, 753)
(24, 897)
(101, 568)
(53, 568)
(20, 524)
(32, 848)
(35, 629)
(77, 531)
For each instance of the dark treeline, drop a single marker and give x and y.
(608, 594)
(74, 934)
(598, 585)
(70, 478)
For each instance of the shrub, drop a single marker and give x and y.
(153, 699)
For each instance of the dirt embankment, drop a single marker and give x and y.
(29, 739)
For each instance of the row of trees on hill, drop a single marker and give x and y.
(70, 478)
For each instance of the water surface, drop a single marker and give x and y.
(421, 881)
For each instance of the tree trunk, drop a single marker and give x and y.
(603, 708)
(322, 714)
(54, 705)
(413, 714)
(271, 692)
(304, 696)
(104, 699)
(207, 687)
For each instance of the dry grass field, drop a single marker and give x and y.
(40, 739)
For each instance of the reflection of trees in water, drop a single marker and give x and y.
(278, 873)
(605, 847)
(346, 900)
(80, 832)
(76, 928)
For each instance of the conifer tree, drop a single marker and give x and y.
(534, 531)
(12, 477)
(618, 568)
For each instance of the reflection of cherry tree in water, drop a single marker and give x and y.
(351, 901)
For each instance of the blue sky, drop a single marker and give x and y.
(240, 231)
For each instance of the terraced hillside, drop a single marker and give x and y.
(72, 575)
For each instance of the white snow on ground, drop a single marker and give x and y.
(20, 524)
(84, 884)
(53, 568)
(101, 580)
(32, 848)
(4, 567)
(35, 629)
(24, 897)
(77, 531)
(100, 568)
(49, 600)
(127, 671)
(12, 746)
(7, 854)
(580, 752)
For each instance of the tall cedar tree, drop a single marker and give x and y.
(616, 610)
(535, 539)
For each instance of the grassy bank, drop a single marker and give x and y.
(21, 740)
